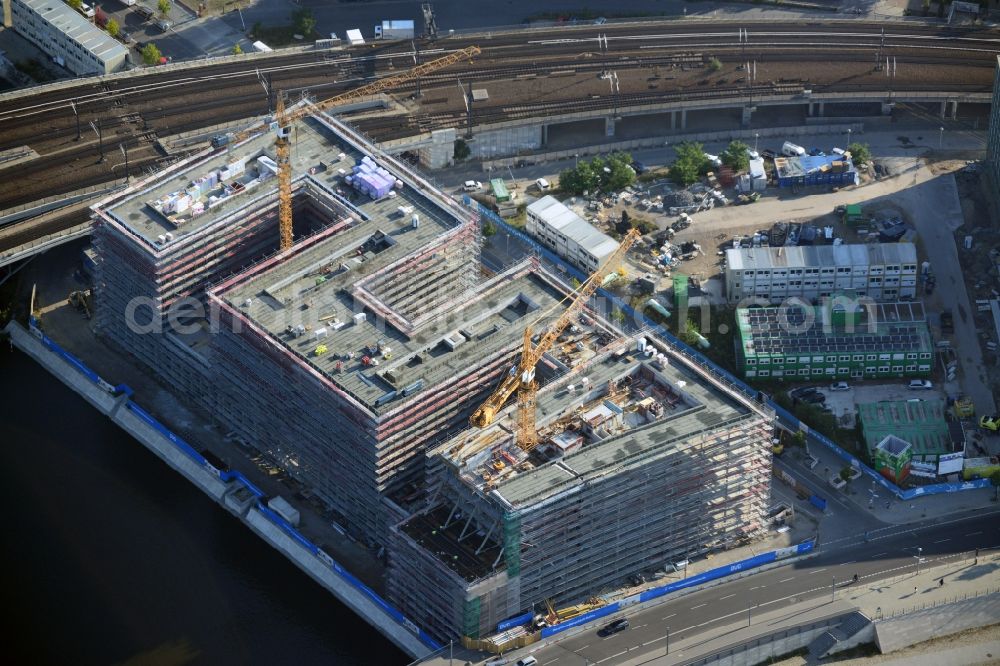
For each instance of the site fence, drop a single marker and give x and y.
(232, 477)
(785, 418)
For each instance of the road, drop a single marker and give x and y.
(890, 552)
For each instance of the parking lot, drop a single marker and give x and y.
(842, 404)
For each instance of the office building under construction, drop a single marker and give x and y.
(644, 460)
(341, 359)
(354, 359)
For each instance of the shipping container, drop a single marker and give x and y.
(281, 507)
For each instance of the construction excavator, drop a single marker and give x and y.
(283, 120)
(521, 377)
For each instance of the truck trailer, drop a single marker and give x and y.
(395, 30)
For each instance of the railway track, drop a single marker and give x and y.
(162, 103)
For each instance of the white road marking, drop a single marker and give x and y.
(973, 533)
(879, 554)
(942, 540)
(611, 657)
(698, 606)
(787, 579)
(846, 563)
(668, 616)
(819, 570)
(552, 661)
(728, 596)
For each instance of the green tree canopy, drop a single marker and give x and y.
(736, 156)
(860, 152)
(150, 54)
(237, 49)
(75, 4)
(599, 174)
(304, 21)
(163, 6)
(690, 164)
(113, 27)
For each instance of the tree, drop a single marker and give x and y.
(618, 316)
(799, 438)
(690, 163)
(75, 4)
(489, 228)
(736, 156)
(860, 152)
(113, 27)
(303, 21)
(150, 54)
(237, 49)
(462, 150)
(599, 174)
(163, 6)
(714, 65)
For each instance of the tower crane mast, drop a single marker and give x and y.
(521, 377)
(283, 121)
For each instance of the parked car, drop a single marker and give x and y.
(613, 628)
(526, 661)
(472, 186)
(815, 399)
(803, 391)
(839, 386)
(639, 167)
(145, 12)
(769, 154)
(919, 384)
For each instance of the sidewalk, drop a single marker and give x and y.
(878, 599)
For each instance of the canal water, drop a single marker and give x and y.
(111, 557)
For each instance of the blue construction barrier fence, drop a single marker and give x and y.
(657, 592)
(784, 416)
(237, 477)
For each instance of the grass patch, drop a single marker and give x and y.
(279, 35)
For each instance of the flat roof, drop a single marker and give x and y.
(73, 24)
(315, 161)
(690, 404)
(788, 330)
(494, 318)
(848, 254)
(791, 167)
(559, 217)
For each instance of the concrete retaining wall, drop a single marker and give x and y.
(763, 648)
(896, 633)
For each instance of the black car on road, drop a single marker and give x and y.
(613, 628)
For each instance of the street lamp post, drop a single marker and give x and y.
(917, 557)
(756, 136)
(576, 160)
(940, 137)
(833, 589)
(848, 136)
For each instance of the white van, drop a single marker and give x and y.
(472, 186)
(790, 149)
(527, 661)
(542, 184)
(86, 10)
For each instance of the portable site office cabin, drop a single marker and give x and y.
(499, 190)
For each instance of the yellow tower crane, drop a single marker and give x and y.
(283, 121)
(521, 377)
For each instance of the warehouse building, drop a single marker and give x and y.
(880, 271)
(843, 337)
(70, 39)
(643, 461)
(568, 235)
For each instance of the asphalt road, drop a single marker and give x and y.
(890, 552)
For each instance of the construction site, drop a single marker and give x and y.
(332, 311)
(641, 462)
